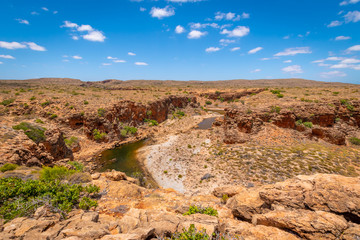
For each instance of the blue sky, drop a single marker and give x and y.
(180, 39)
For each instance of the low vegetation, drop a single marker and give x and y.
(7, 102)
(21, 198)
(34, 132)
(8, 167)
(355, 141)
(208, 211)
(98, 135)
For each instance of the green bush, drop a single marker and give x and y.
(86, 102)
(98, 135)
(280, 95)
(101, 112)
(123, 133)
(55, 173)
(32, 98)
(39, 121)
(8, 167)
(78, 166)
(275, 91)
(208, 211)
(308, 124)
(151, 122)
(131, 130)
(34, 132)
(276, 109)
(44, 104)
(299, 122)
(71, 141)
(354, 140)
(208, 102)
(7, 101)
(191, 234)
(21, 198)
(53, 116)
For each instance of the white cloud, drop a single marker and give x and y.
(7, 56)
(119, 61)
(95, 36)
(256, 70)
(235, 49)
(77, 57)
(35, 47)
(85, 28)
(350, 61)
(23, 21)
(334, 24)
(346, 2)
(142, 9)
(339, 38)
(45, 9)
(226, 42)
(341, 65)
(161, 13)
(334, 58)
(352, 17)
(106, 64)
(286, 37)
(332, 74)
(12, 45)
(353, 48)
(1, 62)
(131, 54)
(293, 69)
(195, 34)
(255, 50)
(34, 13)
(55, 12)
(179, 29)
(75, 37)
(111, 58)
(288, 61)
(212, 49)
(239, 31)
(245, 15)
(294, 51)
(141, 63)
(203, 25)
(69, 24)
(230, 16)
(265, 59)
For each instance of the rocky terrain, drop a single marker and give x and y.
(279, 159)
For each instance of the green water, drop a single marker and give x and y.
(122, 159)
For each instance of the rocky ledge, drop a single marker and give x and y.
(306, 207)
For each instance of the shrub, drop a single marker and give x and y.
(8, 167)
(354, 140)
(101, 112)
(208, 102)
(275, 91)
(123, 133)
(131, 130)
(21, 198)
(32, 98)
(299, 122)
(191, 234)
(44, 104)
(276, 109)
(55, 173)
(71, 141)
(34, 132)
(208, 211)
(78, 166)
(148, 113)
(308, 124)
(151, 122)
(86, 102)
(280, 95)
(53, 116)
(98, 135)
(7, 102)
(39, 121)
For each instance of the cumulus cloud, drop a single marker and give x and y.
(179, 29)
(94, 36)
(12, 45)
(332, 74)
(161, 13)
(131, 54)
(91, 33)
(111, 58)
(203, 25)
(352, 17)
(141, 64)
(339, 38)
(212, 49)
(1, 62)
(239, 31)
(294, 51)
(353, 48)
(119, 61)
(265, 59)
(288, 61)
(17, 45)
(230, 16)
(347, 2)
(77, 57)
(22, 21)
(45, 9)
(142, 9)
(226, 42)
(35, 47)
(7, 56)
(293, 69)
(106, 64)
(334, 24)
(195, 34)
(255, 50)
(235, 49)
(256, 70)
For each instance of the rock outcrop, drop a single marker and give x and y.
(229, 96)
(330, 122)
(321, 206)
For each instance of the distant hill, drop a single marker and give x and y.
(113, 83)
